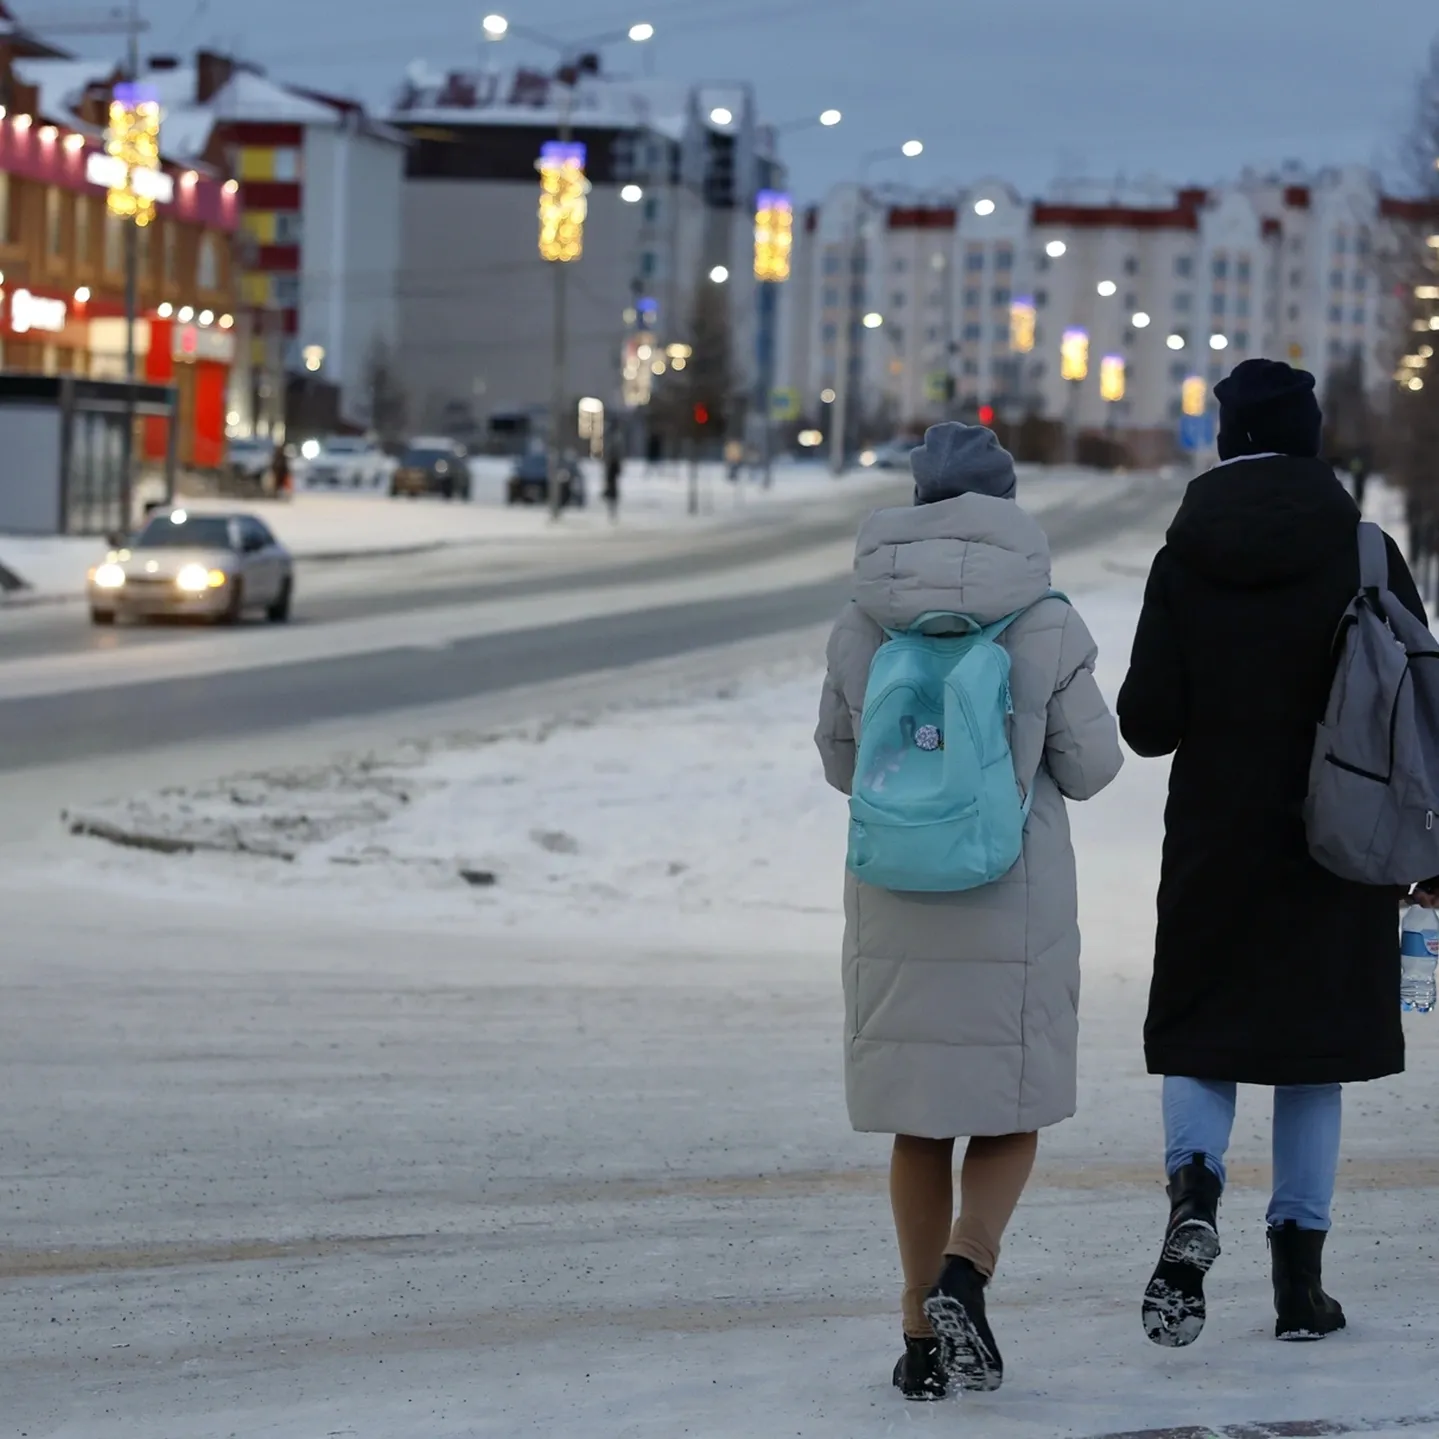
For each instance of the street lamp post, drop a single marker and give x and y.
(910, 150)
(562, 207)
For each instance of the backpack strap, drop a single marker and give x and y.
(1373, 558)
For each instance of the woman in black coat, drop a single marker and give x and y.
(1268, 969)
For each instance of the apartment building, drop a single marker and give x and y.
(970, 296)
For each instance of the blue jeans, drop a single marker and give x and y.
(1198, 1118)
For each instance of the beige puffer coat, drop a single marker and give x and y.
(961, 1010)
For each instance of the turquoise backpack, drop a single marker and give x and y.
(935, 806)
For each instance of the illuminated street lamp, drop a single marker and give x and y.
(1055, 249)
(912, 149)
(1219, 342)
(1140, 320)
(719, 275)
(721, 116)
(1175, 342)
(873, 320)
(632, 194)
(830, 118)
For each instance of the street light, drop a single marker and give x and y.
(496, 27)
(719, 274)
(632, 194)
(873, 320)
(830, 118)
(1055, 249)
(1107, 288)
(984, 207)
(1175, 342)
(1219, 342)
(1140, 320)
(720, 116)
(642, 32)
(912, 149)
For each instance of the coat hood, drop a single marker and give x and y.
(1263, 523)
(974, 555)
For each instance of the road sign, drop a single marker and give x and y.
(784, 405)
(937, 385)
(1196, 432)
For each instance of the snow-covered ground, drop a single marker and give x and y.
(327, 525)
(349, 1144)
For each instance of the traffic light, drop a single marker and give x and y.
(986, 414)
(702, 415)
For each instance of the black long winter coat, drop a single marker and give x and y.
(1268, 969)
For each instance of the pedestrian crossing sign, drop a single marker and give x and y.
(784, 405)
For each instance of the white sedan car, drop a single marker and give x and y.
(212, 567)
(347, 462)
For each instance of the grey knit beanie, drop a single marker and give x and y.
(960, 459)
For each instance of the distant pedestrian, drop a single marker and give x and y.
(280, 472)
(1268, 969)
(962, 1007)
(614, 466)
(734, 459)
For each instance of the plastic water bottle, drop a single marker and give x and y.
(1418, 958)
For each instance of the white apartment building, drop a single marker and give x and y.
(1173, 283)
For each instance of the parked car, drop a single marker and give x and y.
(212, 567)
(433, 465)
(893, 455)
(347, 462)
(250, 459)
(529, 484)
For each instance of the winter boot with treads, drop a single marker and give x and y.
(1174, 1300)
(955, 1308)
(1305, 1311)
(918, 1374)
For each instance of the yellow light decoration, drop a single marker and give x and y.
(1074, 354)
(773, 235)
(1194, 396)
(1021, 325)
(133, 142)
(563, 206)
(1111, 378)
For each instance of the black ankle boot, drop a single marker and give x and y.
(918, 1374)
(966, 1342)
(1305, 1311)
(1174, 1301)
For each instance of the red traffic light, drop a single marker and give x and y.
(702, 415)
(986, 414)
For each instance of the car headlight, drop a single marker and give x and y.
(196, 579)
(868, 459)
(442, 467)
(109, 577)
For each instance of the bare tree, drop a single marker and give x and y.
(1411, 451)
(385, 394)
(693, 404)
(1349, 423)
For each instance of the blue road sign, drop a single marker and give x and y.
(1196, 432)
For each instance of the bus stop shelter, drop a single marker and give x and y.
(65, 468)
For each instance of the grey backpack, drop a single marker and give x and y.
(1374, 779)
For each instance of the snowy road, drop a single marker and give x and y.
(372, 653)
(342, 1147)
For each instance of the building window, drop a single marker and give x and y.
(1041, 263)
(1041, 299)
(932, 334)
(1293, 313)
(207, 272)
(1241, 307)
(1336, 279)
(170, 250)
(1221, 267)
(900, 265)
(1178, 370)
(1341, 243)
(1336, 314)
(830, 298)
(971, 298)
(974, 260)
(1241, 339)
(286, 290)
(973, 332)
(1243, 272)
(1217, 305)
(1131, 264)
(1004, 258)
(114, 244)
(287, 165)
(1001, 296)
(54, 223)
(1296, 279)
(1184, 266)
(1183, 301)
(289, 228)
(649, 263)
(898, 300)
(82, 231)
(1358, 314)
(1001, 334)
(971, 367)
(1361, 281)
(652, 209)
(1362, 247)
(1131, 302)
(829, 332)
(831, 264)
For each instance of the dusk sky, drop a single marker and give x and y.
(1028, 89)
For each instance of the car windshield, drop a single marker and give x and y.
(424, 459)
(203, 533)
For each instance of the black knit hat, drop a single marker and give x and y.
(1268, 407)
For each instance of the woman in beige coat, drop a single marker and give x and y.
(961, 1010)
